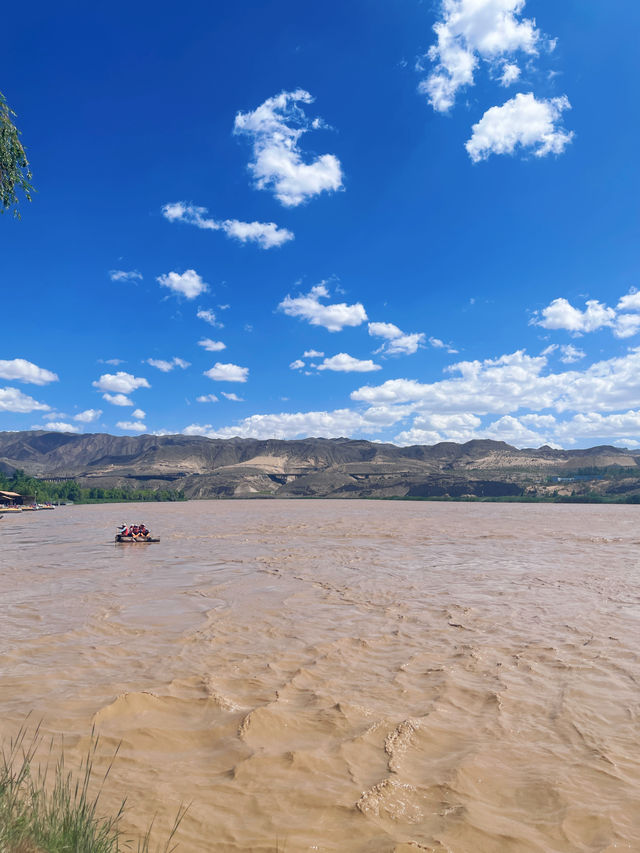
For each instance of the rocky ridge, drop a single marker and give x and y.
(318, 467)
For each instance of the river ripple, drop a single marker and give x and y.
(339, 675)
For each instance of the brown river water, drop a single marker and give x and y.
(339, 675)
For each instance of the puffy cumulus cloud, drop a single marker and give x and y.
(510, 73)
(517, 381)
(285, 425)
(514, 398)
(88, 416)
(397, 342)
(431, 429)
(138, 414)
(333, 317)
(211, 346)
(623, 320)
(344, 363)
(189, 284)
(117, 399)
(528, 430)
(124, 275)
(12, 400)
(494, 385)
(25, 371)
(624, 426)
(60, 426)
(298, 364)
(227, 373)
(312, 353)
(131, 426)
(514, 431)
(473, 29)
(523, 122)
(560, 314)
(209, 317)
(630, 301)
(207, 398)
(626, 325)
(274, 129)
(232, 397)
(264, 234)
(120, 382)
(167, 366)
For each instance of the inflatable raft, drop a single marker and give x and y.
(129, 540)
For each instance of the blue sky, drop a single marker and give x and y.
(406, 221)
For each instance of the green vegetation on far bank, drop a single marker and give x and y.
(592, 498)
(49, 491)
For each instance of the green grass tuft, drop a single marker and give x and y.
(39, 814)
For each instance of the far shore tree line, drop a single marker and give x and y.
(69, 491)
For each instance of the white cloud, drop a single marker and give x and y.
(227, 373)
(630, 301)
(207, 398)
(510, 73)
(344, 363)
(515, 398)
(88, 416)
(123, 275)
(189, 283)
(233, 397)
(113, 361)
(312, 353)
(117, 399)
(59, 426)
(138, 414)
(209, 317)
(431, 429)
(26, 371)
(298, 364)
(514, 431)
(332, 317)
(166, 366)
(397, 341)
(131, 426)
(626, 325)
(120, 382)
(274, 129)
(561, 314)
(12, 400)
(341, 422)
(571, 354)
(211, 346)
(514, 382)
(523, 121)
(594, 425)
(265, 234)
(472, 29)
(436, 343)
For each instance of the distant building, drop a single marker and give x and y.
(15, 498)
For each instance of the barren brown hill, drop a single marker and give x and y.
(318, 467)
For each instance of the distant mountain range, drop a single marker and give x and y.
(319, 467)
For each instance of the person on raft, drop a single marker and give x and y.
(137, 532)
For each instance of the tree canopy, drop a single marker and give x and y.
(14, 167)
